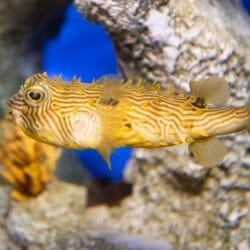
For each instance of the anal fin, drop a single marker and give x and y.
(208, 152)
(213, 90)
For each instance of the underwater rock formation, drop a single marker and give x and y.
(48, 221)
(173, 199)
(174, 42)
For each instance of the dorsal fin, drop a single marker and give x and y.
(213, 90)
(182, 93)
(110, 78)
(57, 78)
(170, 92)
(110, 101)
(140, 84)
(128, 84)
(75, 80)
(155, 87)
(39, 77)
(111, 92)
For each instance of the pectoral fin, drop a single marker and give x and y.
(213, 90)
(208, 152)
(105, 151)
(111, 109)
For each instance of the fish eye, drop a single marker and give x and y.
(35, 95)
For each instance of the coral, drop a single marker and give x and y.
(28, 164)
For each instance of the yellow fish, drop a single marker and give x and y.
(111, 113)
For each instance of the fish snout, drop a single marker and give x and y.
(14, 105)
(10, 103)
(15, 102)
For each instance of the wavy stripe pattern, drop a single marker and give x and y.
(143, 116)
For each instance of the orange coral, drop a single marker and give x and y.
(28, 164)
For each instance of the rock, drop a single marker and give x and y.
(4, 201)
(5, 241)
(115, 240)
(44, 221)
(174, 42)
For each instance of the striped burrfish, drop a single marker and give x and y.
(112, 113)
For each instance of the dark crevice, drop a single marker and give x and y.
(110, 193)
(187, 183)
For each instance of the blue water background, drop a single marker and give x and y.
(246, 4)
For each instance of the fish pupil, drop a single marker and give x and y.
(35, 96)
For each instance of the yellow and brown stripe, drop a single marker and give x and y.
(117, 114)
(160, 120)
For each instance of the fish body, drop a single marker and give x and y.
(109, 114)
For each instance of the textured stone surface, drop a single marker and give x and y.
(55, 215)
(5, 241)
(59, 219)
(174, 42)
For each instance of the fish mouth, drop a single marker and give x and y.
(9, 116)
(11, 103)
(15, 102)
(13, 106)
